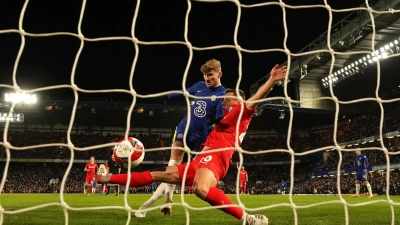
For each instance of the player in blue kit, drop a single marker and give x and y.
(282, 187)
(362, 173)
(204, 112)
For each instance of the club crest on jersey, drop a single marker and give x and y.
(180, 135)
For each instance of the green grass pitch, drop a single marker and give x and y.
(16, 210)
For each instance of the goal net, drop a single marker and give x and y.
(142, 50)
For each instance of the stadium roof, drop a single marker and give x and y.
(351, 39)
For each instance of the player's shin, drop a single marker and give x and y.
(369, 189)
(357, 189)
(216, 197)
(89, 189)
(169, 191)
(160, 191)
(169, 188)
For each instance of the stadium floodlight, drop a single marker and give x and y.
(380, 54)
(20, 98)
(12, 117)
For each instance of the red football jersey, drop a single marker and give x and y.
(92, 168)
(243, 175)
(224, 133)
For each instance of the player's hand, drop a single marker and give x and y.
(278, 73)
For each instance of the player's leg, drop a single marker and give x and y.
(85, 186)
(165, 174)
(369, 188)
(175, 159)
(244, 188)
(162, 188)
(357, 194)
(212, 168)
(90, 186)
(159, 192)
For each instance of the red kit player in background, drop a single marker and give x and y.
(90, 169)
(243, 178)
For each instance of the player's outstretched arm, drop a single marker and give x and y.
(277, 73)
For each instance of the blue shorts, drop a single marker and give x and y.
(361, 176)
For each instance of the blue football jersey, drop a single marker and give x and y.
(361, 163)
(200, 111)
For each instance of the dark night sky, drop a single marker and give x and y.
(106, 64)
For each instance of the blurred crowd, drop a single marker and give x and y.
(263, 179)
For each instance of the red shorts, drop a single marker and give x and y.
(217, 162)
(89, 178)
(242, 183)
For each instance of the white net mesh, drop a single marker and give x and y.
(382, 7)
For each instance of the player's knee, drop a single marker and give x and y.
(200, 189)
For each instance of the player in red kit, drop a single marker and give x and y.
(243, 178)
(209, 167)
(190, 189)
(90, 169)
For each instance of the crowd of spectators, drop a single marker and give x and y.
(34, 177)
(328, 185)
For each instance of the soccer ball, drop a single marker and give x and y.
(128, 149)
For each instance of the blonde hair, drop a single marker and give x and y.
(211, 64)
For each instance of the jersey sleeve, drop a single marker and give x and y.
(356, 165)
(219, 111)
(191, 90)
(366, 163)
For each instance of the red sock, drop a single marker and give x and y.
(137, 179)
(217, 197)
(244, 190)
(89, 190)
